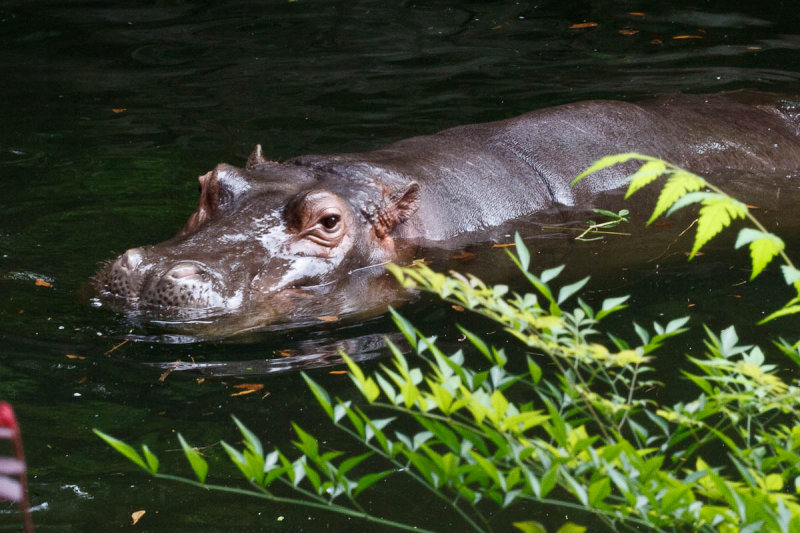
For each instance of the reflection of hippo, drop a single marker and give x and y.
(283, 242)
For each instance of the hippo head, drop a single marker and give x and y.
(277, 241)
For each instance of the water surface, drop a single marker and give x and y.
(110, 111)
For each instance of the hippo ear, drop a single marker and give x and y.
(209, 202)
(256, 158)
(397, 209)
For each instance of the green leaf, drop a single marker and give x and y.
(783, 311)
(599, 491)
(763, 247)
(551, 273)
(522, 252)
(535, 371)
(366, 385)
(370, 479)
(198, 464)
(405, 327)
(351, 462)
(608, 161)
(611, 305)
(571, 528)
(646, 174)
(569, 290)
(790, 274)
(676, 186)
(250, 439)
(530, 526)
(152, 460)
(716, 214)
(690, 199)
(125, 449)
(320, 394)
(762, 251)
(478, 343)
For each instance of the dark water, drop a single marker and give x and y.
(110, 112)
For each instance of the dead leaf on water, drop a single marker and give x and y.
(136, 516)
(463, 255)
(582, 25)
(328, 318)
(169, 370)
(247, 388)
(42, 283)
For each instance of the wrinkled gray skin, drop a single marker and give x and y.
(284, 242)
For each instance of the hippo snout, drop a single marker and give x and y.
(153, 282)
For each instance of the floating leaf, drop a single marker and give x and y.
(582, 25)
(136, 516)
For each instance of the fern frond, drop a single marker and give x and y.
(608, 161)
(646, 174)
(680, 183)
(764, 246)
(717, 213)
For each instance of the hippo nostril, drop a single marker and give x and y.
(131, 259)
(184, 270)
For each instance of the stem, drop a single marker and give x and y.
(278, 499)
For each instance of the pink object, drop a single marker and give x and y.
(13, 478)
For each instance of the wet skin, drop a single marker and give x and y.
(282, 243)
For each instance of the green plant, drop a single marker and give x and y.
(586, 436)
(595, 231)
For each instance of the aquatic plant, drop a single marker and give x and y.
(585, 437)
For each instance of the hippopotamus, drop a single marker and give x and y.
(284, 242)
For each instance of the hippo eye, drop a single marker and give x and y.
(331, 221)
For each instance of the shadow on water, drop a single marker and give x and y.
(110, 111)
